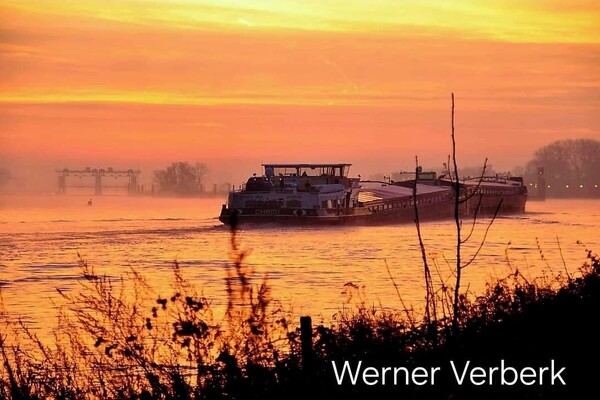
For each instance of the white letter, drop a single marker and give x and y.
(433, 371)
(462, 377)
(492, 370)
(480, 374)
(340, 379)
(557, 375)
(530, 374)
(383, 371)
(542, 374)
(503, 370)
(398, 369)
(419, 372)
(367, 374)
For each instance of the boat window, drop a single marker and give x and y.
(259, 184)
(306, 172)
(285, 171)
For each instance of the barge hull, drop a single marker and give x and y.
(362, 216)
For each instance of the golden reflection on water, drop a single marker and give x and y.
(308, 268)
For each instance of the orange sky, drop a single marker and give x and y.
(237, 83)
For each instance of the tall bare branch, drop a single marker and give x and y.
(485, 235)
(456, 185)
(429, 300)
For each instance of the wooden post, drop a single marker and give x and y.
(306, 340)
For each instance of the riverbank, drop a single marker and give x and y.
(132, 342)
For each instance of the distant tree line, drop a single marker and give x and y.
(571, 168)
(182, 178)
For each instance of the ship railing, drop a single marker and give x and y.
(407, 201)
(493, 178)
(242, 188)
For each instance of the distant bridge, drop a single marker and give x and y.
(98, 175)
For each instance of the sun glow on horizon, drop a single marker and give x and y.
(513, 21)
(89, 31)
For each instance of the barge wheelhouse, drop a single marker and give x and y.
(294, 192)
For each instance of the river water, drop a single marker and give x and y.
(308, 268)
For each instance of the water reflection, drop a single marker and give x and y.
(307, 267)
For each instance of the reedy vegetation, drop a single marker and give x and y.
(119, 339)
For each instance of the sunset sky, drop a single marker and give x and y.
(234, 83)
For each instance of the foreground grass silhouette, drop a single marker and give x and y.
(118, 339)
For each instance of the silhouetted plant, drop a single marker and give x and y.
(120, 339)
